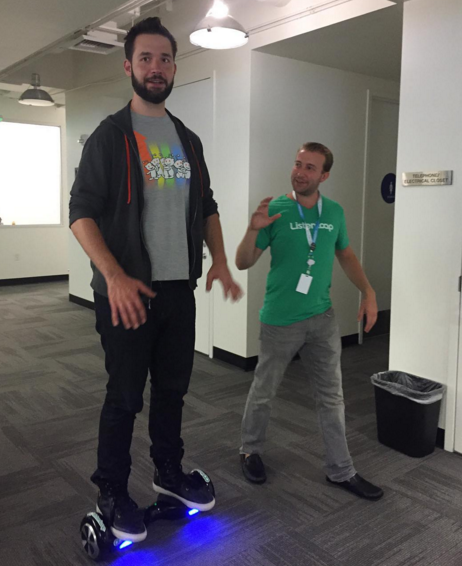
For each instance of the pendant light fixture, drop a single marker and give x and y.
(36, 96)
(218, 30)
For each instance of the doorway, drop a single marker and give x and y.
(379, 199)
(193, 104)
(339, 86)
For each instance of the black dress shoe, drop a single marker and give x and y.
(360, 487)
(253, 468)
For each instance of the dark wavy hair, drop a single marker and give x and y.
(152, 26)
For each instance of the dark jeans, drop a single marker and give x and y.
(164, 345)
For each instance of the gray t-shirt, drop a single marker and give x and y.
(166, 173)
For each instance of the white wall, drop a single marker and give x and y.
(87, 107)
(428, 233)
(231, 75)
(236, 75)
(295, 102)
(35, 251)
(268, 23)
(230, 163)
(85, 110)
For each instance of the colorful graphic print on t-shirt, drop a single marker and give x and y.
(163, 165)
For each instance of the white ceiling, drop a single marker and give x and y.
(26, 26)
(370, 45)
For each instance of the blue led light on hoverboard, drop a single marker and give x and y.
(193, 512)
(125, 544)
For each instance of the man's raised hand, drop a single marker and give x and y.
(260, 218)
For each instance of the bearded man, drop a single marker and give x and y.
(304, 231)
(143, 228)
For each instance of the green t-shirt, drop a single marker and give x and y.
(283, 305)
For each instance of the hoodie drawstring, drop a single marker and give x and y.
(127, 147)
(199, 168)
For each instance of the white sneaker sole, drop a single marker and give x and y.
(122, 535)
(190, 504)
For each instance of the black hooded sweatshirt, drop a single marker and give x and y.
(109, 189)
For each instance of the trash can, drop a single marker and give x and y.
(408, 409)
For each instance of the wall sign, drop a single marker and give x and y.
(389, 188)
(428, 178)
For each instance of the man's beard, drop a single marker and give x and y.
(149, 96)
(309, 191)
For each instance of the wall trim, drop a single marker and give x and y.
(247, 364)
(29, 280)
(440, 438)
(82, 302)
(382, 326)
(350, 340)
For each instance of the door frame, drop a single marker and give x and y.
(371, 95)
(453, 395)
(210, 166)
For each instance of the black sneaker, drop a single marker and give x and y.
(121, 513)
(193, 490)
(253, 468)
(360, 487)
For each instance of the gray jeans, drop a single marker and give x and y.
(317, 340)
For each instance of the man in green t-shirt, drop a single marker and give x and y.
(304, 231)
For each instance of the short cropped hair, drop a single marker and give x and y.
(315, 147)
(151, 26)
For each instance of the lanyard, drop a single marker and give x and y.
(311, 239)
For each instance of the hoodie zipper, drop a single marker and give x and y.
(142, 212)
(199, 173)
(141, 224)
(193, 247)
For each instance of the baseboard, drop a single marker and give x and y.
(350, 340)
(440, 438)
(247, 364)
(29, 280)
(82, 302)
(382, 326)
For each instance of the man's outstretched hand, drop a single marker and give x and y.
(221, 272)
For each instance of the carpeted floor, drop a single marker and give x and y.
(52, 383)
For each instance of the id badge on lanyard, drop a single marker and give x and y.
(304, 283)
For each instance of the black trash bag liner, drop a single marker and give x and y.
(409, 386)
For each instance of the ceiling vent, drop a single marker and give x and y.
(97, 42)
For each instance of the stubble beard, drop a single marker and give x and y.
(310, 191)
